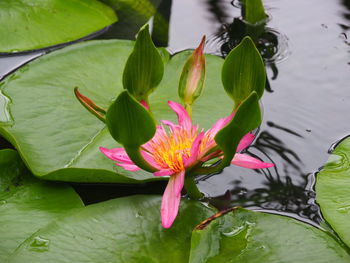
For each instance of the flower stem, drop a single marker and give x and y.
(191, 188)
(188, 108)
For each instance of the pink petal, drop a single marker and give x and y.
(170, 124)
(247, 161)
(116, 154)
(149, 158)
(129, 167)
(194, 150)
(211, 156)
(164, 172)
(182, 115)
(144, 104)
(171, 199)
(160, 133)
(221, 123)
(245, 142)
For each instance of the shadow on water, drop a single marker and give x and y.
(346, 14)
(271, 44)
(4, 144)
(288, 188)
(285, 189)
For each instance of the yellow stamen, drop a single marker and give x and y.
(170, 148)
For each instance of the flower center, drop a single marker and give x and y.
(169, 148)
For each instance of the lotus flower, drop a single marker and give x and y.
(177, 148)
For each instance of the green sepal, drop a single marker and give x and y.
(144, 68)
(247, 118)
(131, 125)
(96, 110)
(253, 11)
(243, 72)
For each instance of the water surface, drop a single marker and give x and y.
(306, 105)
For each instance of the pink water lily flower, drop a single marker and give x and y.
(179, 147)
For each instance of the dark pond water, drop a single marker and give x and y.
(306, 105)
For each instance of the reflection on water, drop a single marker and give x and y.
(284, 188)
(346, 14)
(272, 45)
(309, 80)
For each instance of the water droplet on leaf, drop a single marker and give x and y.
(344, 209)
(39, 244)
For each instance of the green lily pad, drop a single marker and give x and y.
(333, 190)
(121, 230)
(247, 237)
(26, 203)
(35, 24)
(59, 139)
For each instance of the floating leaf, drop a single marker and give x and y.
(243, 71)
(144, 68)
(333, 190)
(59, 139)
(245, 236)
(27, 204)
(35, 24)
(121, 230)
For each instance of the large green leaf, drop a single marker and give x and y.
(26, 203)
(58, 138)
(333, 190)
(35, 24)
(249, 237)
(121, 230)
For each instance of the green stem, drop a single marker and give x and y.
(188, 108)
(191, 188)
